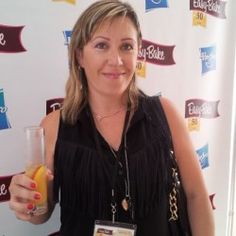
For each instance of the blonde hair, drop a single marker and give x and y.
(89, 21)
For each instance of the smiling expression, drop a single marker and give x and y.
(109, 58)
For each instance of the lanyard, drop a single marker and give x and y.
(126, 203)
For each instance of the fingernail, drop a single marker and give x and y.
(33, 185)
(37, 196)
(30, 206)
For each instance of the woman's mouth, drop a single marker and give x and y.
(113, 75)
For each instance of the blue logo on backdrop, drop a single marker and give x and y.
(67, 36)
(4, 123)
(208, 57)
(203, 156)
(153, 4)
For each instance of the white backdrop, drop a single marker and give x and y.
(188, 55)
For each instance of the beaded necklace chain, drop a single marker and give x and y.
(99, 117)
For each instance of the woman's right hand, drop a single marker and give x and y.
(22, 195)
(23, 189)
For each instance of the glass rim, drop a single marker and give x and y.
(33, 127)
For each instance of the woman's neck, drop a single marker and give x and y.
(103, 106)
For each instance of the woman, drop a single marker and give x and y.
(109, 147)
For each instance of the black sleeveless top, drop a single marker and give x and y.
(81, 179)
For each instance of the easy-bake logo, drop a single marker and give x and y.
(208, 58)
(203, 156)
(201, 8)
(4, 185)
(10, 39)
(68, 1)
(199, 108)
(155, 54)
(67, 36)
(4, 123)
(153, 4)
(53, 104)
(212, 7)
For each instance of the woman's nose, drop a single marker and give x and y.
(115, 57)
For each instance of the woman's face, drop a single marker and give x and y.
(109, 58)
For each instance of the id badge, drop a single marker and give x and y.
(108, 228)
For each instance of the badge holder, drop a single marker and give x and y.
(114, 228)
(108, 228)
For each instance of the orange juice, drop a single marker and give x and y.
(39, 175)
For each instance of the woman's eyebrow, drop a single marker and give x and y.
(100, 37)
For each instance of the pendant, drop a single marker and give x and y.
(125, 204)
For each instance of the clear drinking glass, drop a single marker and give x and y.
(35, 165)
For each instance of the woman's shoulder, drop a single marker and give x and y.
(167, 105)
(50, 123)
(160, 102)
(173, 115)
(51, 119)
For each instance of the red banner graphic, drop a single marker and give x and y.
(10, 39)
(4, 185)
(53, 104)
(212, 201)
(214, 7)
(201, 108)
(156, 53)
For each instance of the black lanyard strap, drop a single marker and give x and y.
(112, 180)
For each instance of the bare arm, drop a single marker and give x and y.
(199, 208)
(21, 188)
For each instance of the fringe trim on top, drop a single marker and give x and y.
(76, 178)
(148, 179)
(91, 195)
(82, 181)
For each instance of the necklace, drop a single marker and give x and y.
(100, 117)
(126, 203)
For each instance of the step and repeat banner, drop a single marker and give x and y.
(187, 55)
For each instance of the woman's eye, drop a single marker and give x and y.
(101, 46)
(127, 47)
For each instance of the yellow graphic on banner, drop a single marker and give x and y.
(141, 69)
(194, 124)
(69, 1)
(199, 18)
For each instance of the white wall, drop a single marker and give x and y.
(33, 76)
